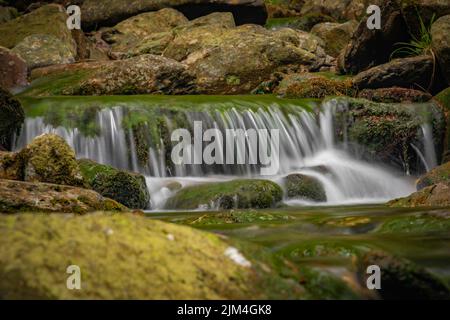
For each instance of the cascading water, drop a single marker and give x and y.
(307, 146)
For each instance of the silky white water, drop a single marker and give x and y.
(307, 145)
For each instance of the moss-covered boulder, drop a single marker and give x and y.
(129, 257)
(127, 188)
(139, 75)
(304, 22)
(340, 10)
(19, 196)
(314, 85)
(7, 14)
(42, 50)
(421, 223)
(128, 33)
(443, 98)
(11, 118)
(402, 279)
(335, 35)
(439, 174)
(227, 195)
(437, 195)
(305, 187)
(48, 158)
(49, 19)
(223, 59)
(386, 132)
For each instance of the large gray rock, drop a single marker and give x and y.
(440, 33)
(42, 50)
(13, 69)
(98, 13)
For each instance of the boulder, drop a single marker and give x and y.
(395, 95)
(385, 132)
(223, 59)
(128, 33)
(127, 188)
(19, 196)
(48, 158)
(121, 256)
(408, 73)
(305, 22)
(439, 174)
(369, 48)
(437, 195)
(13, 69)
(49, 20)
(7, 14)
(443, 98)
(417, 11)
(305, 187)
(12, 117)
(236, 194)
(340, 10)
(401, 278)
(441, 44)
(139, 75)
(335, 35)
(42, 50)
(98, 13)
(11, 166)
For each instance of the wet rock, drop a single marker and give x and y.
(223, 59)
(437, 195)
(13, 69)
(140, 75)
(130, 32)
(439, 174)
(42, 50)
(99, 13)
(127, 188)
(370, 48)
(11, 119)
(48, 158)
(47, 20)
(402, 279)
(407, 73)
(314, 85)
(19, 196)
(178, 262)
(7, 14)
(395, 95)
(385, 132)
(441, 44)
(305, 187)
(335, 35)
(238, 194)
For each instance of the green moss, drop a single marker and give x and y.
(233, 217)
(227, 195)
(440, 174)
(305, 187)
(421, 223)
(129, 189)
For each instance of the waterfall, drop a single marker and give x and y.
(307, 145)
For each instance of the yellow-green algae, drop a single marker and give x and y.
(125, 257)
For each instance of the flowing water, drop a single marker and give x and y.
(307, 142)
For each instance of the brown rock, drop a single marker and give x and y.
(13, 69)
(394, 95)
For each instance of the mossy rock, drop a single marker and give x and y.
(439, 174)
(305, 187)
(429, 223)
(305, 22)
(127, 188)
(12, 117)
(314, 85)
(437, 195)
(48, 158)
(49, 19)
(239, 194)
(19, 196)
(335, 35)
(11, 166)
(402, 279)
(444, 99)
(129, 257)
